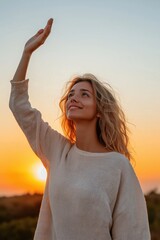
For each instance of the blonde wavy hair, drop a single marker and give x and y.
(112, 130)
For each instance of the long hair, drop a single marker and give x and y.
(112, 130)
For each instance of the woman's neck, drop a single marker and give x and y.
(86, 138)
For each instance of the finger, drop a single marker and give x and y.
(50, 21)
(40, 31)
(49, 25)
(47, 29)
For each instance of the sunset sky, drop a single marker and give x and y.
(118, 41)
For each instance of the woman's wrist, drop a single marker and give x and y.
(26, 54)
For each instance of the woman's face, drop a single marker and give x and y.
(81, 103)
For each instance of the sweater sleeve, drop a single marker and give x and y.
(130, 218)
(41, 137)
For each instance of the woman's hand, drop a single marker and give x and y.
(31, 45)
(38, 39)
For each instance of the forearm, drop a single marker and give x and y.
(21, 71)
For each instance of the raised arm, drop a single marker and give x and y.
(31, 45)
(38, 133)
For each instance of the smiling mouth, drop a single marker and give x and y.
(74, 107)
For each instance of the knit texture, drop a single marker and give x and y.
(88, 196)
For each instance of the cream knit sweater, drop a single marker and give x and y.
(88, 196)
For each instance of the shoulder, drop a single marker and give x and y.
(119, 160)
(121, 163)
(128, 177)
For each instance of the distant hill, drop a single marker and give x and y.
(19, 214)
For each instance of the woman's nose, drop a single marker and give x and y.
(74, 98)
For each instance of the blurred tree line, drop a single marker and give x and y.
(153, 206)
(19, 214)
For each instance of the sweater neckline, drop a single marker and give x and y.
(96, 154)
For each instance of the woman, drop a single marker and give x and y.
(91, 191)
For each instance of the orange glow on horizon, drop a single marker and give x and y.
(22, 172)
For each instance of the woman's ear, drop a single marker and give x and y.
(98, 115)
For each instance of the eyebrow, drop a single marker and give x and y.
(82, 90)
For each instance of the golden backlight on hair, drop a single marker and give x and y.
(112, 130)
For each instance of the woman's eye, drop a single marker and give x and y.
(85, 94)
(70, 95)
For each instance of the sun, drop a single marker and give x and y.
(39, 172)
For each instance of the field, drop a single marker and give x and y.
(19, 214)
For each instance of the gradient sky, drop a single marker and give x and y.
(118, 41)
